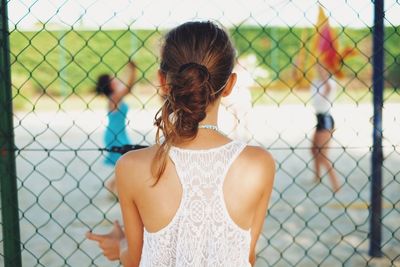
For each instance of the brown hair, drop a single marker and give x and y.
(103, 85)
(197, 59)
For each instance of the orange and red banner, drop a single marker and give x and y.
(325, 50)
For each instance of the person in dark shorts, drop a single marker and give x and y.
(323, 90)
(325, 122)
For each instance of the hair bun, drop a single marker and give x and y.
(203, 72)
(190, 95)
(193, 65)
(190, 86)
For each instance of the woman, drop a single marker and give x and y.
(115, 134)
(196, 198)
(323, 90)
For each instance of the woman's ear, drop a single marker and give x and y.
(229, 85)
(162, 79)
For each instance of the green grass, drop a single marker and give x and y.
(64, 62)
(297, 96)
(60, 64)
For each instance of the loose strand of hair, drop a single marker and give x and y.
(165, 126)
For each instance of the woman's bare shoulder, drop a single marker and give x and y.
(134, 166)
(256, 155)
(138, 157)
(258, 165)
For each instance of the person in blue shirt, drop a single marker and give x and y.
(115, 134)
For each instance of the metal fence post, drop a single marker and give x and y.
(377, 157)
(8, 180)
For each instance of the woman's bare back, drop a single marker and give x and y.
(246, 187)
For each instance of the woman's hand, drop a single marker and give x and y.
(252, 258)
(109, 243)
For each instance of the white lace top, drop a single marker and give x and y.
(201, 233)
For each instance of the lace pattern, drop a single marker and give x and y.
(201, 233)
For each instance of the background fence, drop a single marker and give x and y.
(57, 50)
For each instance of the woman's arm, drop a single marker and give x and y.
(130, 77)
(123, 87)
(133, 224)
(265, 169)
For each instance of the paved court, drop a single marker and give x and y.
(61, 191)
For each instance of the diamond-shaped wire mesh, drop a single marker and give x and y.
(59, 48)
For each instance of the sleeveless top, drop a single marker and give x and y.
(322, 101)
(115, 134)
(201, 233)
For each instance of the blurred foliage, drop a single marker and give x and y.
(68, 62)
(393, 74)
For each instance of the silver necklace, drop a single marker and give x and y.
(211, 127)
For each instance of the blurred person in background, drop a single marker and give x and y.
(323, 92)
(115, 134)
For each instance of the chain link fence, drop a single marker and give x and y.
(59, 48)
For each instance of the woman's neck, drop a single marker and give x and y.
(211, 114)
